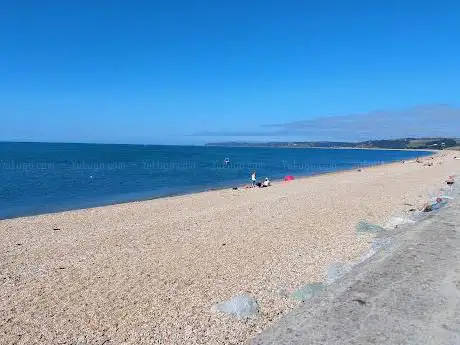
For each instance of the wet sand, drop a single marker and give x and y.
(149, 272)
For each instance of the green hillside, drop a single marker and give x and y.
(403, 144)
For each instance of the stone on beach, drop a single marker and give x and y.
(241, 306)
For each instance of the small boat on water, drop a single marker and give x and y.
(226, 161)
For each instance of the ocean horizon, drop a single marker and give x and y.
(42, 178)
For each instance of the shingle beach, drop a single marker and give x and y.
(150, 272)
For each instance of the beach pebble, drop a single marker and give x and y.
(241, 306)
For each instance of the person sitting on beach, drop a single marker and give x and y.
(266, 182)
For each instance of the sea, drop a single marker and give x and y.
(37, 178)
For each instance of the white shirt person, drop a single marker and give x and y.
(253, 178)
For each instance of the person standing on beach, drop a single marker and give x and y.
(253, 178)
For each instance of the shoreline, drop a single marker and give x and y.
(151, 271)
(199, 190)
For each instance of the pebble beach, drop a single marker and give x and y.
(151, 272)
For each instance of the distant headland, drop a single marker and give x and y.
(398, 144)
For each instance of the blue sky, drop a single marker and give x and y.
(159, 72)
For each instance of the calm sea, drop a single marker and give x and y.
(41, 177)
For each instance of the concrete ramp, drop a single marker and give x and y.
(409, 294)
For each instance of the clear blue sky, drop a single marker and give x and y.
(156, 71)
